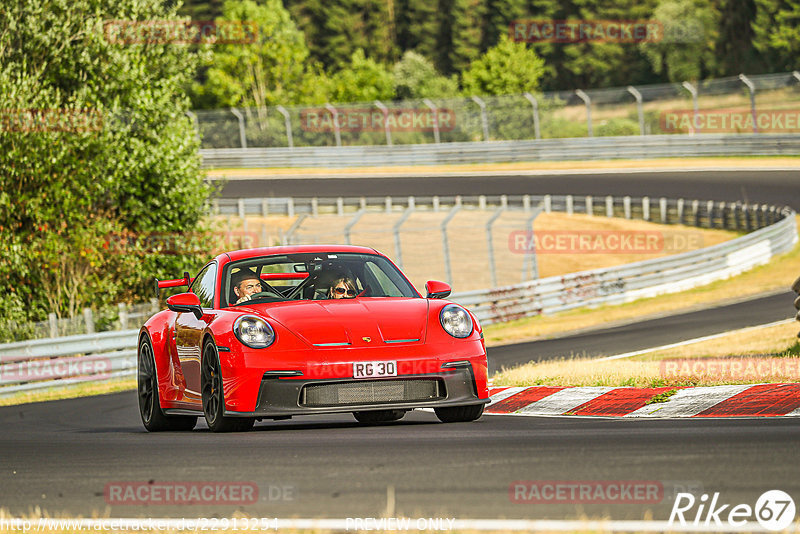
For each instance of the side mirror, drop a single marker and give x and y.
(185, 302)
(437, 290)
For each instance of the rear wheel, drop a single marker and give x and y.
(459, 414)
(153, 418)
(214, 398)
(379, 416)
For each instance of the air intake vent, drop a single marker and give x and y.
(371, 392)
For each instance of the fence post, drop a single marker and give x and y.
(710, 208)
(88, 318)
(646, 208)
(123, 316)
(387, 130)
(662, 204)
(388, 204)
(752, 88)
(569, 205)
(240, 207)
(349, 226)
(435, 201)
(638, 96)
(526, 203)
(484, 119)
(548, 203)
(337, 133)
(445, 245)
(396, 231)
(288, 124)
(588, 101)
(432, 106)
(535, 103)
(609, 206)
(626, 205)
(689, 87)
(680, 211)
(340, 206)
(589, 206)
(290, 207)
(242, 135)
(490, 244)
(289, 235)
(53, 320)
(530, 255)
(696, 212)
(481, 202)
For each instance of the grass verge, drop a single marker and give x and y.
(747, 356)
(69, 392)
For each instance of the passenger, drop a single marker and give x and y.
(342, 288)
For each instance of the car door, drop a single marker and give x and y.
(189, 331)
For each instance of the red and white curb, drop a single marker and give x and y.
(748, 400)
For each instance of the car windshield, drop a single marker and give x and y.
(312, 276)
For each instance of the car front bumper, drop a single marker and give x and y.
(282, 397)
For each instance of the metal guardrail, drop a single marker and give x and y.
(44, 363)
(593, 148)
(632, 281)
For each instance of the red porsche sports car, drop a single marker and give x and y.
(270, 333)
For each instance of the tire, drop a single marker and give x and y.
(153, 418)
(214, 398)
(459, 414)
(379, 416)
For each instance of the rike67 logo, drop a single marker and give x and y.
(774, 510)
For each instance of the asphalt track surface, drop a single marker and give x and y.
(779, 187)
(61, 456)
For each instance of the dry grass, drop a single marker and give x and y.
(776, 275)
(69, 392)
(647, 370)
(370, 172)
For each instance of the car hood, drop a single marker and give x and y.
(356, 322)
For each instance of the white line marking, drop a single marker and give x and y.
(690, 341)
(689, 402)
(563, 401)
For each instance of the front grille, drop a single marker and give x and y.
(371, 392)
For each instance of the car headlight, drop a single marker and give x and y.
(254, 332)
(456, 321)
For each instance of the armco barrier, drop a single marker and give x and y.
(42, 363)
(592, 148)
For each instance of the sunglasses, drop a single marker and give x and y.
(342, 291)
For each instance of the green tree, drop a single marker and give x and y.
(686, 52)
(363, 80)
(777, 33)
(276, 69)
(416, 77)
(508, 68)
(94, 143)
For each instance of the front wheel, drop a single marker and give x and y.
(459, 414)
(379, 416)
(153, 418)
(214, 398)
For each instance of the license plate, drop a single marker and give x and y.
(374, 369)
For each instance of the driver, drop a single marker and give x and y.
(245, 284)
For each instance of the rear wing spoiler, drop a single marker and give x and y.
(176, 282)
